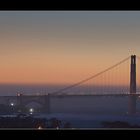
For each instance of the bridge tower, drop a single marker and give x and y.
(47, 103)
(19, 102)
(132, 96)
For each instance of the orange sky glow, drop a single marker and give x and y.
(59, 48)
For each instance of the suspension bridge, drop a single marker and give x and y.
(121, 79)
(117, 80)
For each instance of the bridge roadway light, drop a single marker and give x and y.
(18, 94)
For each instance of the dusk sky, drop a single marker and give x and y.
(58, 47)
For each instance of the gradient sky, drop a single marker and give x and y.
(59, 47)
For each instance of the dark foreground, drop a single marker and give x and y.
(118, 124)
(24, 121)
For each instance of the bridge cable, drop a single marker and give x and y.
(89, 78)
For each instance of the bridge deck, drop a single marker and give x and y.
(97, 95)
(63, 95)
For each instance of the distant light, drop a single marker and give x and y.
(39, 127)
(12, 104)
(19, 94)
(31, 110)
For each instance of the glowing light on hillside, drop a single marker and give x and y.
(31, 110)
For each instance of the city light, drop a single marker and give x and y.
(31, 110)
(18, 94)
(12, 104)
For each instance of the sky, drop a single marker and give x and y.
(60, 47)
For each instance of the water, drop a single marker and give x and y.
(89, 104)
(12, 89)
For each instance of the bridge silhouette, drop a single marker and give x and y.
(117, 80)
(108, 87)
